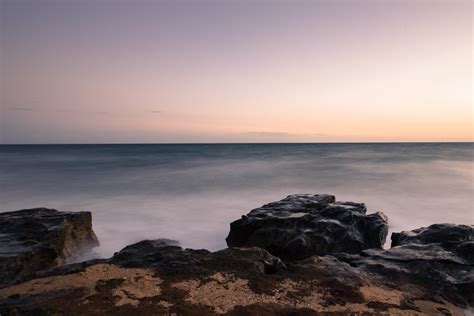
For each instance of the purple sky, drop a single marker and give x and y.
(235, 71)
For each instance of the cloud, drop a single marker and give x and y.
(56, 110)
(283, 134)
(20, 109)
(75, 111)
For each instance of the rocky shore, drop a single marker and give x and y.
(303, 255)
(37, 239)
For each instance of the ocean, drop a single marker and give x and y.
(191, 192)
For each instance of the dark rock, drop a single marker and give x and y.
(159, 278)
(439, 258)
(37, 239)
(168, 256)
(429, 271)
(303, 225)
(436, 233)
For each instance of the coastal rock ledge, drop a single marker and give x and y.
(428, 271)
(36, 239)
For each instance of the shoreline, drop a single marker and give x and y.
(303, 255)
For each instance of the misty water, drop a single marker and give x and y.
(192, 192)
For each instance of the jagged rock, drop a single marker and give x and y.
(438, 257)
(428, 272)
(36, 239)
(159, 278)
(303, 225)
(436, 233)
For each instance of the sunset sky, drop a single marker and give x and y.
(236, 71)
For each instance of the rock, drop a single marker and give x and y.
(160, 278)
(36, 239)
(436, 233)
(428, 271)
(439, 258)
(303, 225)
(166, 255)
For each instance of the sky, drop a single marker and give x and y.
(103, 71)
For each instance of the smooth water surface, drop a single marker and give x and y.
(192, 192)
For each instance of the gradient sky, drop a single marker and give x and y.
(236, 71)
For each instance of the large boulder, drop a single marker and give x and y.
(303, 225)
(36, 239)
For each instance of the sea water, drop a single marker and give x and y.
(191, 192)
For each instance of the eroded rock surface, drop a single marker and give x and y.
(438, 257)
(37, 239)
(168, 256)
(428, 271)
(303, 225)
(443, 234)
(159, 278)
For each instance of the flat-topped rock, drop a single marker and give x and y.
(35, 239)
(303, 225)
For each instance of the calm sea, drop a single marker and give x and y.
(192, 192)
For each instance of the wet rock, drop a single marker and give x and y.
(428, 271)
(168, 256)
(303, 225)
(155, 277)
(439, 258)
(436, 233)
(37, 239)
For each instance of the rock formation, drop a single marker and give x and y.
(428, 271)
(37, 239)
(303, 225)
(438, 258)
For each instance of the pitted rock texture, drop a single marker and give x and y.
(428, 271)
(167, 255)
(161, 278)
(436, 233)
(438, 257)
(36, 239)
(303, 225)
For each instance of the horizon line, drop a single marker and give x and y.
(240, 143)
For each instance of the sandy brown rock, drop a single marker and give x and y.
(429, 271)
(439, 258)
(233, 281)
